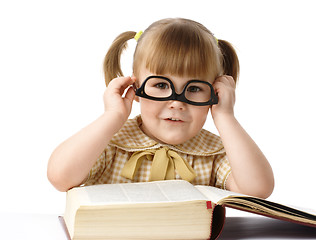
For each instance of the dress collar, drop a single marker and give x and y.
(131, 138)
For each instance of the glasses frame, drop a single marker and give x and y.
(140, 92)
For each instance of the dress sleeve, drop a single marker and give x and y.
(221, 170)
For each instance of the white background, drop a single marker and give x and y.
(51, 83)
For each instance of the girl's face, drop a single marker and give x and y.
(170, 122)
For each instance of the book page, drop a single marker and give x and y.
(216, 194)
(149, 192)
(180, 190)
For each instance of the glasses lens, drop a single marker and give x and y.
(198, 92)
(158, 87)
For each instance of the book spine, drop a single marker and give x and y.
(218, 219)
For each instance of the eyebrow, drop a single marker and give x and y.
(190, 79)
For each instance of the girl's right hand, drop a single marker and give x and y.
(114, 101)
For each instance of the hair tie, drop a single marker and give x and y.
(137, 35)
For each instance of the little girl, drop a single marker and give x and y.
(180, 73)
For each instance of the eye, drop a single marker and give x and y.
(162, 85)
(194, 89)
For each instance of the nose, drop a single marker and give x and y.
(177, 105)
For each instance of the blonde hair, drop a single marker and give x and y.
(180, 47)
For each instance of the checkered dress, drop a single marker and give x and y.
(205, 153)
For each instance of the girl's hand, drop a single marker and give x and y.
(224, 87)
(242, 152)
(114, 101)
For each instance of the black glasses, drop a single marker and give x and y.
(195, 92)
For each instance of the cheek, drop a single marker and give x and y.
(200, 114)
(150, 107)
(147, 112)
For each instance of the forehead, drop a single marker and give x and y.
(176, 79)
(184, 79)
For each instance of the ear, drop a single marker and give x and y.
(136, 97)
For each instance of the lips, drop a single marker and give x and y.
(174, 119)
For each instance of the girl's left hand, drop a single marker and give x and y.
(224, 87)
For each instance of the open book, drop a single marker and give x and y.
(173, 209)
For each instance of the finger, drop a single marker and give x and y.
(222, 79)
(130, 94)
(226, 80)
(230, 80)
(133, 78)
(121, 83)
(218, 85)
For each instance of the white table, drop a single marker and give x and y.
(30, 227)
(48, 227)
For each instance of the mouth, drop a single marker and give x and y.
(173, 119)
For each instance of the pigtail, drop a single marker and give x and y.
(112, 60)
(230, 59)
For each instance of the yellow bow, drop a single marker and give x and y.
(164, 163)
